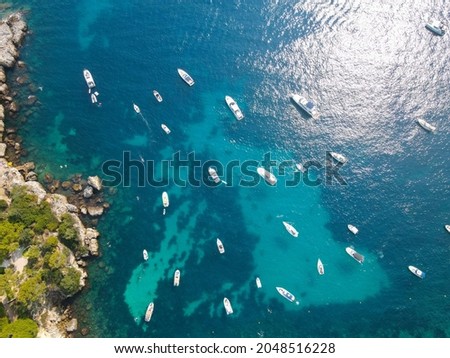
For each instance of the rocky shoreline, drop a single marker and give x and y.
(80, 198)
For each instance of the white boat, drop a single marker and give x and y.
(352, 229)
(220, 246)
(306, 105)
(165, 199)
(89, 79)
(425, 125)
(227, 305)
(176, 278)
(149, 312)
(339, 157)
(290, 229)
(416, 271)
(213, 174)
(145, 254)
(185, 76)
(165, 128)
(93, 98)
(300, 167)
(268, 176)
(234, 108)
(136, 108)
(436, 27)
(447, 227)
(320, 267)
(157, 96)
(258, 282)
(286, 294)
(358, 257)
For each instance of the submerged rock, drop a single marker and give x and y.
(95, 210)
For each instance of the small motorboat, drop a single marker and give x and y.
(165, 128)
(145, 254)
(89, 79)
(286, 294)
(339, 157)
(93, 98)
(149, 312)
(436, 27)
(157, 96)
(227, 305)
(186, 77)
(300, 167)
(220, 246)
(136, 108)
(258, 282)
(268, 176)
(425, 125)
(447, 227)
(176, 278)
(165, 199)
(352, 229)
(358, 257)
(213, 174)
(234, 108)
(320, 267)
(416, 271)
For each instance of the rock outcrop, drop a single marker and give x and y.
(12, 32)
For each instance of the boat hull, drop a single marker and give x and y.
(416, 271)
(358, 257)
(267, 176)
(286, 294)
(227, 305)
(320, 267)
(149, 312)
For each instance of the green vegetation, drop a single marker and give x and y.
(20, 328)
(33, 227)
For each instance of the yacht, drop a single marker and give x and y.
(416, 271)
(185, 76)
(165, 128)
(176, 278)
(157, 96)
(425, 125)
(234, 108)
(213, 174)
(352, 229)
(149, 312)
(447, 227)
(358, 257)
(136, 108)
(89, 79)
(290, 229)
(306, 105)
(436, 27)
(165, 199)
(145, 254)
(258, 282)
(286, 294)
(227, 305)
(268, 176)
(220, 246)
(320, 267)
(339, 157)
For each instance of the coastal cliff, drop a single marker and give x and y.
(43, 242)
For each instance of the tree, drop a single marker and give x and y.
(21, 328)
(70, 283)
(33, 254)
(31, 290)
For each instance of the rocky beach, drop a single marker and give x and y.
(77, 201)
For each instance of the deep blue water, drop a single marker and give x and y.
(373, 70)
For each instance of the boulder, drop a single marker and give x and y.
(14, 107)
(3, 89)
(77, 187)
(2, 113)
(66, 184)
(18, 27)
(2, 75)
(95, 182)
(95, 210)
(2, 149)
(26, 167)
(83, 210)
(71, 208)
(72, 325)
(8, 52)
(31, 176)
(2, 124)
(31, 99)
(88, 192)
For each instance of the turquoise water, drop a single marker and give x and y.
(371, 67)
